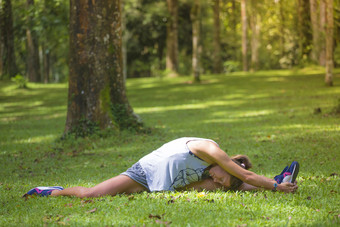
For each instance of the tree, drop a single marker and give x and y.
(97, 95)
(255, 42)
(329, 42)
(315, 29)
(282, 30)
(322, 32)
(217, 66)
(195, 18)
(244, 34)
(304, 28)
(9, 66)
(33, 63)
(172, 38)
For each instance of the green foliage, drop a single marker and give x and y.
(267, 115)
(84, 128)
(231, 66)
(20, 81)
(337, 56)
(124, 119)
(281, 46)
(336, 109)
(49, 20)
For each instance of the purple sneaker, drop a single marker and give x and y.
(43, 191)
(288, 174)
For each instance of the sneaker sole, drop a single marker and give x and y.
(295, 172)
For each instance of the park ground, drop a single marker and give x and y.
(274, 117)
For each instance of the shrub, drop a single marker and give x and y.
(231, 66)
(20, 81)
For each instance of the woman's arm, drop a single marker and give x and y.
(211, 153)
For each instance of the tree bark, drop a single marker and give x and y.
(304, 28)
(195, 18)
(9, 65)
(282, 30)
(322, 32)
(315, 29)
(33, 64)
(2, 47)
(244, 34)
(172, 38)
(46, 63)
(254, 37)
(97, 96)
(329, 42)
(217, 41)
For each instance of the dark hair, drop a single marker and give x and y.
(244, 162)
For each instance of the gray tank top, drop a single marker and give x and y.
(173, 166)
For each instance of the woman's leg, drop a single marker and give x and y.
(116, 185)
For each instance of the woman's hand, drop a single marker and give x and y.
(287, 187)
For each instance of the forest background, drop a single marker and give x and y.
(269, 34)
(281, 113)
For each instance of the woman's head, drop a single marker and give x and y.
(219, 175)
(244, 162)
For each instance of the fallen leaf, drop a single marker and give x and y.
(154, 216)
(131, 197)
(309, 198)
(201, 194)
(91, 211)
(334, 174)
(68, 205)
(87, 201)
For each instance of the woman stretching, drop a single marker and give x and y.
(182, 164)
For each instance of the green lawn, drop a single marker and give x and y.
(267, 115)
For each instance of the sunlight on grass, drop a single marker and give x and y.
(268, 115)
(37, 139)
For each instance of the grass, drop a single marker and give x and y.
(267, 115)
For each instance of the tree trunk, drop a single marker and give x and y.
(244, 34)
(1, 45)
(217, 41)
(195, 18)
(255, 36)
(124, 40)
(304, 29)
(46, 64)
(329, 42)
(233, 21)
(282, 30)
(172, 38)
(315, 30)
(33, 64)
(97, 96)
(322, 32)
(9, 66)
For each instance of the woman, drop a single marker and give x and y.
(181, 164)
